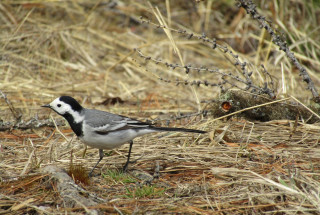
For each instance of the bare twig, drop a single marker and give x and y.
(250, 7)
(32, 123)
(241, 78)
(17, 115)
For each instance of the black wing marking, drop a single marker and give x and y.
(136, 125)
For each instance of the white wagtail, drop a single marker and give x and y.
(103, 130)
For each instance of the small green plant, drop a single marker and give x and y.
(117, 176)
(144, 191)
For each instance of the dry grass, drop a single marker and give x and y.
(86, 50)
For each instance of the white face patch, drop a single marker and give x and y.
(62, 108)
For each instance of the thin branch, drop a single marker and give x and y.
(250, 7)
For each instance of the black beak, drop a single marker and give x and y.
(46, 106)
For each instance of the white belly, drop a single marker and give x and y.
(112, 139)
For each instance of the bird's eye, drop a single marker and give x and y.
(58, 105)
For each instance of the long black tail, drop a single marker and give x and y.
(179, 130)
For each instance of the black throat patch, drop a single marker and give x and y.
(76, 127)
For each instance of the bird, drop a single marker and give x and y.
(104, 130)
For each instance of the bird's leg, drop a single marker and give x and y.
(101, 155)
(125, 167)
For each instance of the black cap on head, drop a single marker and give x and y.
(72, 102)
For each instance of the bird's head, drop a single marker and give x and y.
(64, 105)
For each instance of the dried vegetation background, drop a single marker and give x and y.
(86, 49)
